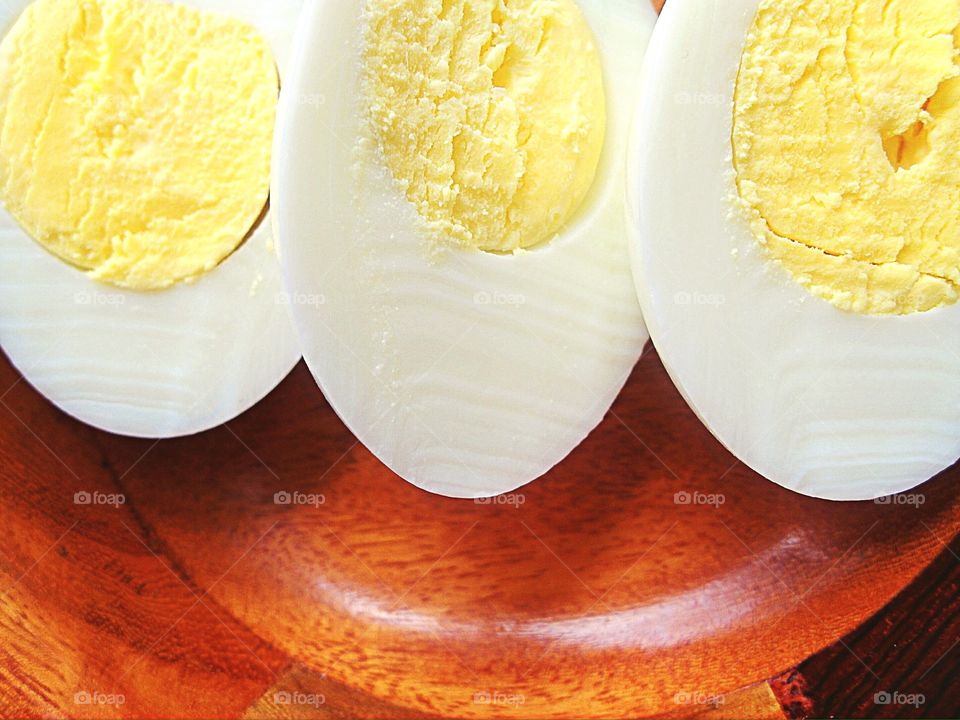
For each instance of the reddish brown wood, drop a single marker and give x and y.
(598, 595)
(908, 655)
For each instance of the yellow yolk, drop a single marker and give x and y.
(490, 113)
(135, 135)
(847, 148)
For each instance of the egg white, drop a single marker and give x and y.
(152, 364)
(827, 403)
(469, 374)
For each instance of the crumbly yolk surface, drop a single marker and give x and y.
(135, 135)
(846, 144)
(490, 113)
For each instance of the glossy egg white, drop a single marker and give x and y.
(469, 374)
(152, 364)
(828, 403)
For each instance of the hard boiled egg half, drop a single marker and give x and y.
(797, 244)
(449, 199)
(140, 291)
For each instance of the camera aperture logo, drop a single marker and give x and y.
(97, 498)
(500, 298)
(699, 98)
(697, 697)
(908, 499)
(96, 298)
(514, 500)
(96, 697)
(285, 697)
(698, 498)
(285, 497)
(696, 299)
(899, 698)
(313, 300)
(314, 101)
(498, 697)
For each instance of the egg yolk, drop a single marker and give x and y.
(845, 141)
(489, 113)
(135, 135)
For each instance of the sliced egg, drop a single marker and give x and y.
(177, 355)
(797, 266)
(470, 342)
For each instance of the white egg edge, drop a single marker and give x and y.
(291, 127)
(676, 64)
(248, 280)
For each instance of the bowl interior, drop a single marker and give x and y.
(649, 563)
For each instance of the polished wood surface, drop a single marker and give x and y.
(909, 653)
(593, 592)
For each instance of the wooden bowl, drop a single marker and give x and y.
(648, 571)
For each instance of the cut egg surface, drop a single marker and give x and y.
(449, 200)
(141, 291)
(795, 234)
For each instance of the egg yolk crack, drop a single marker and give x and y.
(845, 144)
(135, 135)
(490, 113)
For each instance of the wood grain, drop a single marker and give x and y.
(910, 653)
(89, 606)
(590, 593)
